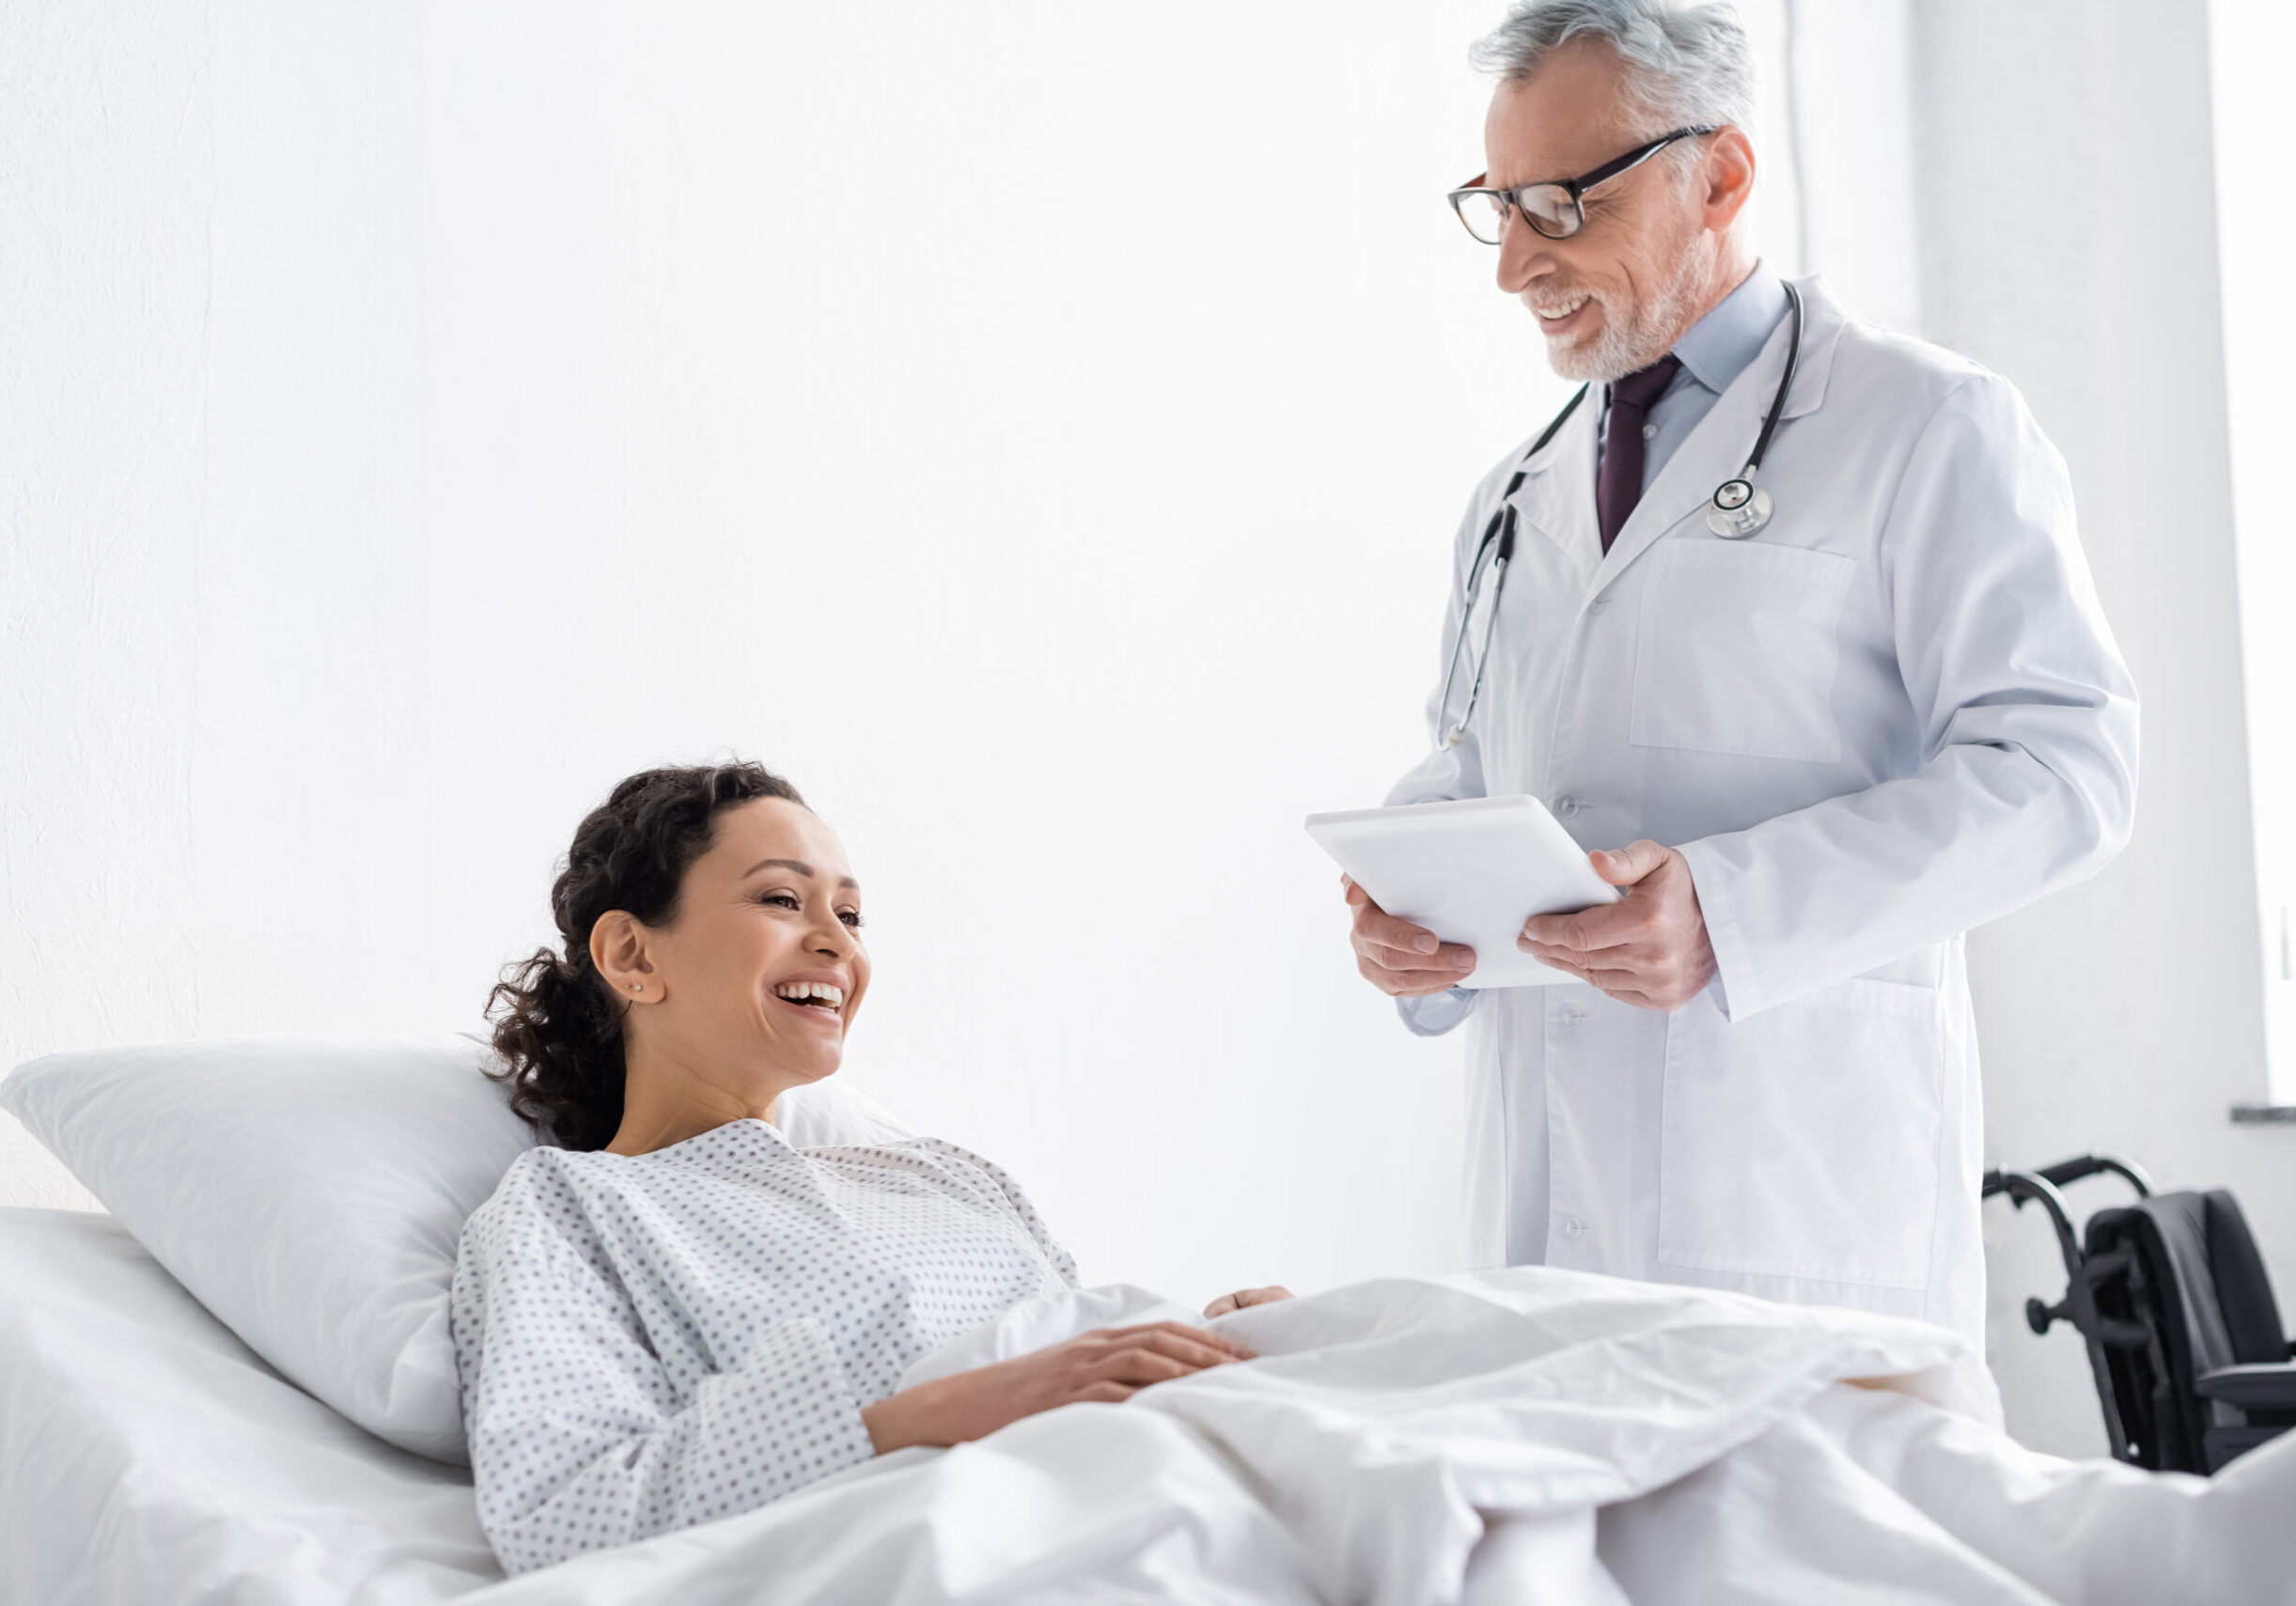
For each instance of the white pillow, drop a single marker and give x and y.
(310, 1191)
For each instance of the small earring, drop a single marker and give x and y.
(637, 986)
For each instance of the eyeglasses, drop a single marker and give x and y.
(1555, 208)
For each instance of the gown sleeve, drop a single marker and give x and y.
(577, 1438)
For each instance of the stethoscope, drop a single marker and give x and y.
(1738, 508)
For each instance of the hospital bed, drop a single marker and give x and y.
(1494, 1437)
(149, 1457)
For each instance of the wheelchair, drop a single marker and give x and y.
(2192, 1364)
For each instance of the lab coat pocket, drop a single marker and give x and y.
(1738, 647)
(1802, 1142)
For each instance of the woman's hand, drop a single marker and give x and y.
(1110, 1365)
(1244, 1297)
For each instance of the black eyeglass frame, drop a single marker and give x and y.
(1575, 190)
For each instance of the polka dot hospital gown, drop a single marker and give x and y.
(652, 1341)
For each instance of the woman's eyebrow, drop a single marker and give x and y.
(800, 866)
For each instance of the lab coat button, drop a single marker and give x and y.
(1568, 806)
(1573, 1017)
(1572, 1226)
(1649, 431)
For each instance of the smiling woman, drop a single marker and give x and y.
(673, 1313)
(561, 1027)
(744, 986)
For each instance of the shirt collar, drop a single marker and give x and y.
(1717, 348)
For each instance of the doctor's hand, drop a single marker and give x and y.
(1649, 948)
(1401, 959)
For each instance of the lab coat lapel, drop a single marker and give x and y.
(1557, 497)
(1717, 448)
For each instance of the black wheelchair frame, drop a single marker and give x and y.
(2174, 1304)
(2044, 1186)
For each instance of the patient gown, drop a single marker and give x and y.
(652, 1341)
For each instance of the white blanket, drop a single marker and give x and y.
(1529, 1435)
(1523, 1435)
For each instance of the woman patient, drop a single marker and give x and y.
(675, 1315)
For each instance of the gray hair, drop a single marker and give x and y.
(1685, 64)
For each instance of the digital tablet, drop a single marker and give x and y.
(1471, 871)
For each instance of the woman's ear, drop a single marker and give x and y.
(618, 949)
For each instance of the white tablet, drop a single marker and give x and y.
(1471, 871)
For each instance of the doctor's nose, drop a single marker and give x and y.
(1522, 258)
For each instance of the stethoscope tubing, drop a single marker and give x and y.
(1732, 520)
(1786, 384)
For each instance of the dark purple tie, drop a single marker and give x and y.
(1618, 487)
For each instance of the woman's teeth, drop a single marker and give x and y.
(1562, 309)
(821, 993)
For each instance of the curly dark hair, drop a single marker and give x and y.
(557, 1027)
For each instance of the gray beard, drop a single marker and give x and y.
(1626, 348)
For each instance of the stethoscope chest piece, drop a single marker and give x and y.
(1740, 508)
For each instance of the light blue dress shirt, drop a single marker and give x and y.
(1714, 351)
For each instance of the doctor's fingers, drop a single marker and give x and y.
(1626, 986)
(1454, 957)
(1607, 926)
(1417, 975)
(1636, 862)
(1649, 980)
(1376, 925)
(1649, 960)
(1410, 953)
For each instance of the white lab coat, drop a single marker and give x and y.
(1896, 712)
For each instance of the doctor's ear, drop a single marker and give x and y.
(1728, 176)
(618, 949)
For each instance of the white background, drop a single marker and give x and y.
(1038, 429)
(2253, 43)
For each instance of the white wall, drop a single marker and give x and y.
(107, 183)
(1022, 425)
(2252, 44)
(2123, 1016)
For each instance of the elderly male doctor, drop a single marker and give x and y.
(1813, 757)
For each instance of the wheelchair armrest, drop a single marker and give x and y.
(2268, 1386)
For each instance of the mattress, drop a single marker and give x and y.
(146, 1455)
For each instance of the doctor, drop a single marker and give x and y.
(1814, 752)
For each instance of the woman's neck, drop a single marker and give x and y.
(666, 1101)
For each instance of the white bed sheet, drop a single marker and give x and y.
(148, 1457)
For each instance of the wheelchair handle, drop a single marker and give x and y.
(2066, 1171)
(2069, 1171)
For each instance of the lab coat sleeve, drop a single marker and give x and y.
(2028, 720)
(1447, 772)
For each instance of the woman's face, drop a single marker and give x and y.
(763, 967)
